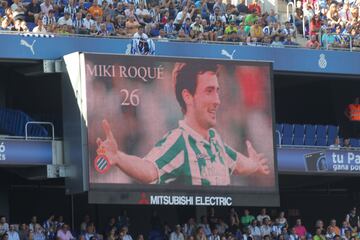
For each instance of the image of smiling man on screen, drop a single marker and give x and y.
(194, 153)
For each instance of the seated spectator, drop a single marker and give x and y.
(266, 41)
(78, 24)
(242, 8)
(124, 232)
(205, 226)
(170, 28)
(23, 228)
(328, 39)
(336, 146)
(219, 4)
(221, 226)
(298, 17)
(197, 27)
(3, 7)
(18, 9)
(333, 14)
(13, 235)
(265, 228)
(231, 28)
(65, 20)
(277, 42)
(110, 28)
(186, 26)
(45, 7)
(4, 226)
(255, 7)
(189, 227)
(200, 235)
(282, 219)
(272, 18)
(49, 19)
(103, 32)
(64, 233)
(293, 235)
(276, 228)
(143, 14)
(88, 22)
(256, 31)
(33, 11)
(177, 234)
(313, 43)
(346, 144)
(95, 10)
(341, 40)
(262, 215)
(318, 234)
(39, 232)
(247, 218)
(255, 230)
(216, 16)
(289, 30)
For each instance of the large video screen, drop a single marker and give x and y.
(179, 131)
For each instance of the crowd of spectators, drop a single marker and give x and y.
(211, 227)
(329, 24)
(188, 20)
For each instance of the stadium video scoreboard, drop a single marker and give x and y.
(179, 131)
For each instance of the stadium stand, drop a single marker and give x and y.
(310, 135)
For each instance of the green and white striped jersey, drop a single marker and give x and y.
(183, 156)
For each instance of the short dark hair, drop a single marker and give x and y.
(186, 78)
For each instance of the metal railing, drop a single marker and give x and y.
(278, 133)
(39, 123)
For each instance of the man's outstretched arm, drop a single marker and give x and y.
(255, 163)
(135, 167)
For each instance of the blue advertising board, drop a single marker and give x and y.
(285, 59)
(318, 160)
(25, 152)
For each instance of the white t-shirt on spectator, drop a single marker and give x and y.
(37, 30)
(88, 23)
(175, 236)
(63, 21)
(45, 9)
(13, 235)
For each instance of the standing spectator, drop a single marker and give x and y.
(222, 7)
(320, 224)
(276, 228)
(345, 227)
(300, 230)
(262, 215)
(64, 233)
(4, 226)
(282, 219)
(221, 226)
(33, 222)
(13, 235)
(49, 225)
(242, 8)
(177, 234)
(352, 218)
(190, 227)
(315, 24)
(247, 218)
(71, 9)
(334, 227)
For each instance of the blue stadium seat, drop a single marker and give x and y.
(299, 130)
(12, 122)
(310, 141)
(354, 142)
(288, 130)
(310, 131)
(332, 132)
(321, 141)
(287, 140)
(321, 131)
(279, 127)
(299, 140)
